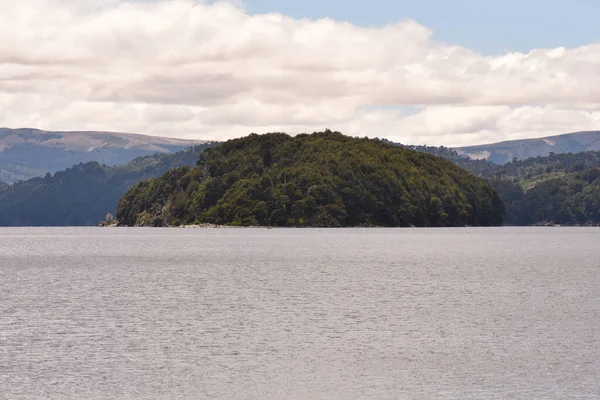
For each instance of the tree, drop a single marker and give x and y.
(322, 179)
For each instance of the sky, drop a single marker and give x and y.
(418, 72)
(488, 27)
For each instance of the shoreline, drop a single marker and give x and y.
(216, 226)
(213, 226)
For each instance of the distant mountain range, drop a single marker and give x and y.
(26, 153)
(84, 193)
(504, 152)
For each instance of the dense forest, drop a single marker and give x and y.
(84, 194)
(558, 189)
(323, 179)
(480, 168)
(351, 182)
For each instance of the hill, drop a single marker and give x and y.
(27, 153)
(323, 179)
(83, 194)
(481, 168)
(503, 152)
(559, 189)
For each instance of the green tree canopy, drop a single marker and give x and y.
(322, 179)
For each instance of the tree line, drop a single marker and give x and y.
(321, 179)
(83, 194)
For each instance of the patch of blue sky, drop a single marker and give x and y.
(488, 27)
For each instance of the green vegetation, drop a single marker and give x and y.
(478, 167)
(534, 170)
(84, 194)
(559, 189)
(323, 179)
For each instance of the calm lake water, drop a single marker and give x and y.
(505, 313)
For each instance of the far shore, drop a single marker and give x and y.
(216, 226)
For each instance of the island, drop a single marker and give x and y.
(324, 179)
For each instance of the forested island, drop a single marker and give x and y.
(348, 178)
(323, 179)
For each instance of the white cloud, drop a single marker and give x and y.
(191, 69)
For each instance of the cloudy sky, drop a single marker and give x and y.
(427, 72)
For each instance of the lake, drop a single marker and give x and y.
(473, 313)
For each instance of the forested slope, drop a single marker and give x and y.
(323, 179)
(559, 189)
(83, 194)
(27, 153)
